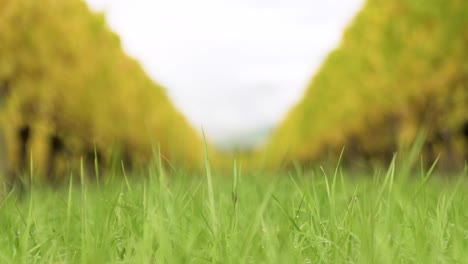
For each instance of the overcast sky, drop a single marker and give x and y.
(231, 66)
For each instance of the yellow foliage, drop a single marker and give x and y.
(65, 79)
(401, 64)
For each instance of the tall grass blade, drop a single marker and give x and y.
(129, 188)
(210, 187)
(291, 219)
(96, 166)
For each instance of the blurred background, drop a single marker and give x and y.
(284, 81)
(234, 68)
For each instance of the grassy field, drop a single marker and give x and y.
(322, 215)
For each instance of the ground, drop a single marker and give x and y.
(322, 215)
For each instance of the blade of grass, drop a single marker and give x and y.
(210, 187)
(84, 226)
(426, 177)
(286, 213)
(125, 175)
(96, 167)
(253, 228)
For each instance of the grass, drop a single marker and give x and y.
(315, 216)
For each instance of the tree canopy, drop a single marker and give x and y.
(401, 65)
(64, 76)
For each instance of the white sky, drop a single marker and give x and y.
(232, 67)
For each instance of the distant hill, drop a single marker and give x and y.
(68, 91)
(401, 64)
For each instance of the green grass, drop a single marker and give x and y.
(317, 216)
